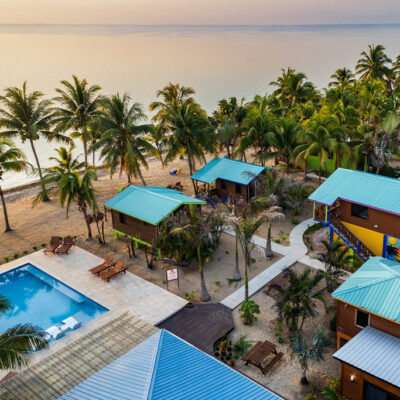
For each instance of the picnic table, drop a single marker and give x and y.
(259, 354)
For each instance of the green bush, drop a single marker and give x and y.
(6, 259)
(16, 255)
(43, 245)
(295, 221)
(25, 252)
(34, 248)
(313, 228)
(248, 310)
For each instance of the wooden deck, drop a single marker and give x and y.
(201, 325)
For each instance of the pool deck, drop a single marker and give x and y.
(125, 292)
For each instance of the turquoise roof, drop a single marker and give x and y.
(150, 204)
(229, 170)
(371, 190)
(166, 367)
(375, 287)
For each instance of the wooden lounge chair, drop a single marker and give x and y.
(117, 269)
(108, 263)
(54, 243)
(66, 244)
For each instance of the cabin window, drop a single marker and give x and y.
(122, 218)
(359, 211)
(238, 188)
(223, 185)
(362, 319)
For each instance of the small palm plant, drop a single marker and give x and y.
(309, 352)
(17, 342)
(334, 257)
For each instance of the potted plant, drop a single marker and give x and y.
(222, 347)
(189, 298)
(248, 310)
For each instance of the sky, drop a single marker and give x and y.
(199, 11)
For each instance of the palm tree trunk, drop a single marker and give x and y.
(191, 173)
(246, 282)
(141, 177)
(237, 275)
(268, 245)
(85, 152)
(204, 296)
(3, 202)
(45, 196)
(94, 163)
(87, 222)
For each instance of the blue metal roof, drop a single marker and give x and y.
(374, 352)
(375, 287)
(150, 204)
(371, 190)
(229, 170)
(166, 367)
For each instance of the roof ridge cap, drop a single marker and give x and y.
(160, 195)
(156, 356)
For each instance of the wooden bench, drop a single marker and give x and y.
(259, 353)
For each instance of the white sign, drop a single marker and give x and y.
(172, 274)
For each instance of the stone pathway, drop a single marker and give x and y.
(296, 252)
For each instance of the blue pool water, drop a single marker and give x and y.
(42, 300)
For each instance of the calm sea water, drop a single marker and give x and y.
(217, 61)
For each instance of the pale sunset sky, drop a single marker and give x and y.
(199, 11)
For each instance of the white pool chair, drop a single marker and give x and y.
(54, 332)
(72, 323)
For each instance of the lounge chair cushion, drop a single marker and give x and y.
(72, 323)
(54, 332)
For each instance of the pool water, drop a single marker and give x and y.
(41, 300)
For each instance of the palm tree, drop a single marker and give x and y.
(71, 187)
(283, 138)
(18, 342)
(259, 121)
(158, 138)
(171, 95)
(343, 77)
(373, 63)
(309, 352)
(27, 116)
(245, 228)
(123, 144)
(197, 230)
(78, 107)
(334, 258)
(296, 301)
(11, 159)
(191, 133)
(293, 87)
(322, 138)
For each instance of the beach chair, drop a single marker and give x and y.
(72, 323)
(54, 243)
(117, 269)
(173, 172)
(54, 332)
(179, 171)
(108, 263)
(66, 244)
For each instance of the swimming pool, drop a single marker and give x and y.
(38, 298)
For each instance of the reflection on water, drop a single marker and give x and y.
(218, 61)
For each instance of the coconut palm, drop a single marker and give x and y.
(71, 187)
(17, 342)
(191, 133)
(322, 138)
(27, 115)
(11, 159)
(123, 144)
(343, 77)
(283, 139)
(78, 107)
(334, 258)
(309, 352)
(197, 230)
(158, 138)
(373, 63)
(293, 87)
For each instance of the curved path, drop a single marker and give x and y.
(295, 252)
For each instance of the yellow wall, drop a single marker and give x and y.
(373, 240)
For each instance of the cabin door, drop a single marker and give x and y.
(372, 392)
(252, 190)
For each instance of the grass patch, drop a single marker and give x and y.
(313, 228)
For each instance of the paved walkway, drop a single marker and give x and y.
(295, 252)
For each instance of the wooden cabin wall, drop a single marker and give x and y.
(346, 320)
(134, 227)
(387, 223)
(230, 189)
(354, 390)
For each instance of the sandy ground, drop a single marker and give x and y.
(284, 378)
(33, 226)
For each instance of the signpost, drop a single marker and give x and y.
(171, 274)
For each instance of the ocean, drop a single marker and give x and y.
(217, 61)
